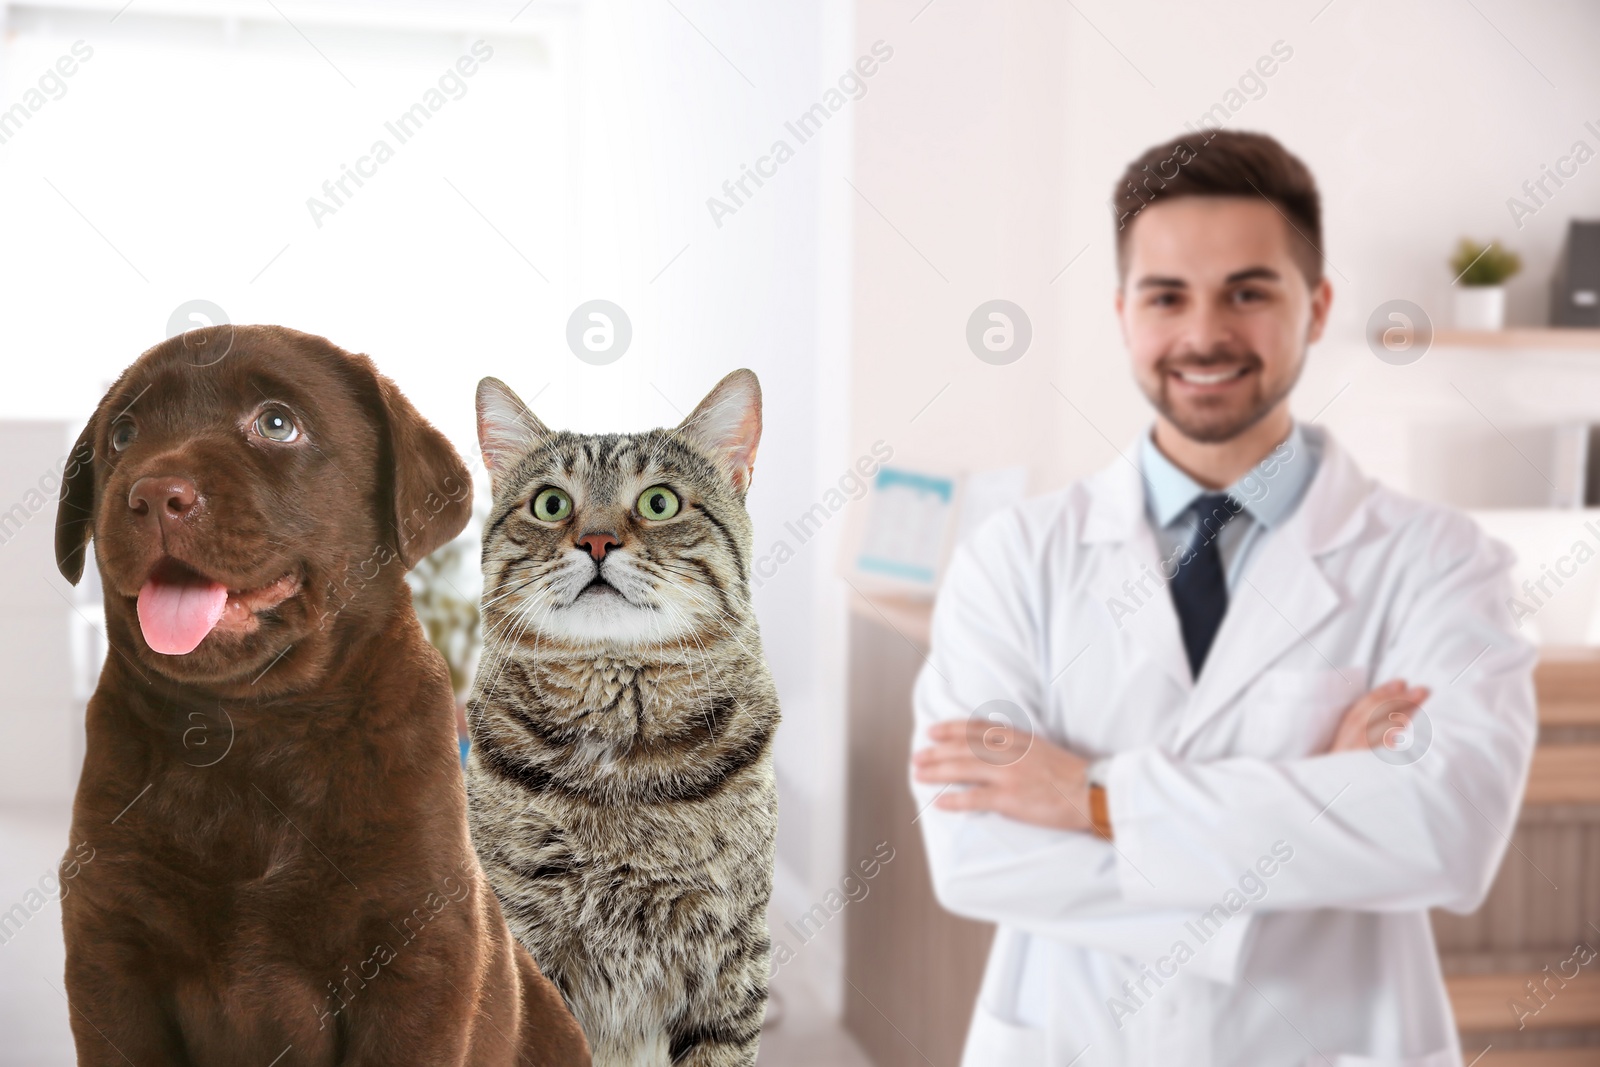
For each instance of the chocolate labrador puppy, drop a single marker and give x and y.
(281, 872)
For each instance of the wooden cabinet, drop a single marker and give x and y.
(1546, 897)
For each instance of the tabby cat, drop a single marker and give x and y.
(620, 778)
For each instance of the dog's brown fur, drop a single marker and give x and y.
(280, 870)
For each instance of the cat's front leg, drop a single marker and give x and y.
(728, 1035)
(735, 1047)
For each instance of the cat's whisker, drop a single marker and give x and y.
(520, 620)
(717, 609)
(492, 602)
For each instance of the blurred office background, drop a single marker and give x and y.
(936, 155)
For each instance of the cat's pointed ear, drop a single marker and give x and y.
(727, 426)
(506, 428)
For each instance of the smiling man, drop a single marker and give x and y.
(1208, 733)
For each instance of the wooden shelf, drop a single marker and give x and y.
(1568, 672)
(1564, 774)
(1538, 1057)
(1568, 683)
(1481, 1001)
(1562, 338)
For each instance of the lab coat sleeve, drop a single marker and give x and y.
(986, 658)
(1364, 833)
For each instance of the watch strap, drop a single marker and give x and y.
(1099, 811)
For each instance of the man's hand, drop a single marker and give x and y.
(1006, 771)
(1375, 719)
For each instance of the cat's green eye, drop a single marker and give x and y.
(551, 505)
(658, 502)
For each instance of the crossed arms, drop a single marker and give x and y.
(1008, 840)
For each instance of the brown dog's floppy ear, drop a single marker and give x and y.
(75, 513)
(430, 488)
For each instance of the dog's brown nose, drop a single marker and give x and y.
(166, 498)
(598, 543)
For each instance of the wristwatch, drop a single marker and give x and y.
(1099, 810)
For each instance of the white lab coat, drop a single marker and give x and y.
(1332, 960)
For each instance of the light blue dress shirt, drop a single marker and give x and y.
(1269, 493)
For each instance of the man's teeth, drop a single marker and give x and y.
(1210, 378)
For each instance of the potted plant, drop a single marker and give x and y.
(1481, 272)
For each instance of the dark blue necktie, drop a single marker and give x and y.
(1199, 589)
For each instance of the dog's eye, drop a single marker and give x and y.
(550, 505)
(122, 434)
(658, 502)
(275, 425)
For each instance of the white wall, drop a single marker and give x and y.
(40, 751)
(959, 166)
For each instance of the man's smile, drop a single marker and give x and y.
(1202, 378)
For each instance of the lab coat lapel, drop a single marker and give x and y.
(1145, 614)
(1283, 597)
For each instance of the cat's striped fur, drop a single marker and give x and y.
(620, 779)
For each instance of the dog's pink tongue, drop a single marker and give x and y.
(176, 616)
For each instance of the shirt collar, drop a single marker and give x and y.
(1269, 491)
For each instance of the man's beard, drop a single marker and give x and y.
(1212, 420)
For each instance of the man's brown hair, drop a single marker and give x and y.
(1225, 163)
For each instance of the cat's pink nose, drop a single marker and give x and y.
(597, 543)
